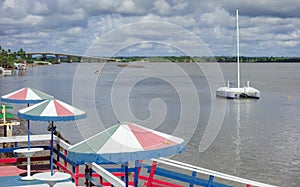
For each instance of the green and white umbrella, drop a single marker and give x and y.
(51, 110)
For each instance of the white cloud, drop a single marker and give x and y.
(102, 7)
(127, 6)
(162, 7)
(295, 35)
(268, 8)
(33, 20)
(74, 31)
(26, 42)
(218, 17)
(181, 6)
(39, 8)
(289, 43)
(12, 9)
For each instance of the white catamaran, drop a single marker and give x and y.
(239, 92)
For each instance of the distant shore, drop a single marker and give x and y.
(220, 59)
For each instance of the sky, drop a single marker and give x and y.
(151, 28)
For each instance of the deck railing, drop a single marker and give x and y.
(157, 173)
(14, 142)
(212, 174)
(61, 161)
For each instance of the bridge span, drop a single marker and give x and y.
(81, 58)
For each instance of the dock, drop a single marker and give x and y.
(162, 172)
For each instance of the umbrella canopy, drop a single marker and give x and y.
(51, 110)
(125, 142)
(26, 96)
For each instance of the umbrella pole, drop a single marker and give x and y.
(28, 131)
(28, 144)
(28, 158)
(28, 127)
(136, 176)
(126, 173)
(51, 152)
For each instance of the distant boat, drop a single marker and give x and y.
(5, 71)
(238, 92)
(41, 63)
(129, 65)
(20, 66)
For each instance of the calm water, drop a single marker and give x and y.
(256, 139)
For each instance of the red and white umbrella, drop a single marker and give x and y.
(26, 96)
(125, 142)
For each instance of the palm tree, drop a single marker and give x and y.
(22, 54)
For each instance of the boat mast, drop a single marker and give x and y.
(238, 47)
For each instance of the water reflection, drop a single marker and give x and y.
(20, 72)
(237, 141)
(240, 111)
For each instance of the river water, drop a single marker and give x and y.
(254, 139)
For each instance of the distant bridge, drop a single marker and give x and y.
(81, 58)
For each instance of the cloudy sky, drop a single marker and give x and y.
(158, 27)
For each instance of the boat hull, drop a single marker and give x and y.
(5, 71)
(20, 66)
(236, 93)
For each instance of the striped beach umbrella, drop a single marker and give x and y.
(125, 142)
(51, 110)
(26, 96)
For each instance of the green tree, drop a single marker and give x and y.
(7, 58)
(22, 54)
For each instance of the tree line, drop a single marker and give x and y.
(8, 57)
(221, 59)
(258, 59)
